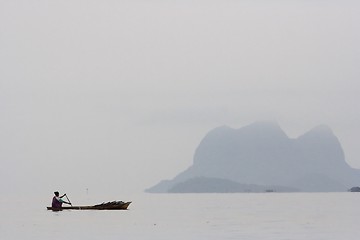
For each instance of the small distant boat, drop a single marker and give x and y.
(269, 190)
(115, 205)
(354, 189)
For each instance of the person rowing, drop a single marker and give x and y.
(57, 200)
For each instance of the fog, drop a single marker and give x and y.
(114, 96)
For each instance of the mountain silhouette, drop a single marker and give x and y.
(262, 154)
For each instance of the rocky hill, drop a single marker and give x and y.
(262, 154)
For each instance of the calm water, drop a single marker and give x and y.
(194, 216)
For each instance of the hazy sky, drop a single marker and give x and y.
(116, 95)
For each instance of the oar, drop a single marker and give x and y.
(68, 199)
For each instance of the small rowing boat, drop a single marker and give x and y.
(115, 205)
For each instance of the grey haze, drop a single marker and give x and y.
(94, 94)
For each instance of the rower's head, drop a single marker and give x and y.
(56, 194)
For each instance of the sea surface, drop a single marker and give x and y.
(262, 216)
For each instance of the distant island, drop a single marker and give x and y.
(217, 185)
(260, 157)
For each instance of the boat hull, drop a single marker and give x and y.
(122, 206)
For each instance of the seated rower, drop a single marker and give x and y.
(57, 201)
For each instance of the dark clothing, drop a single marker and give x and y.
(56, 202)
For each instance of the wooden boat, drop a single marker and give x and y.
(115, 205)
